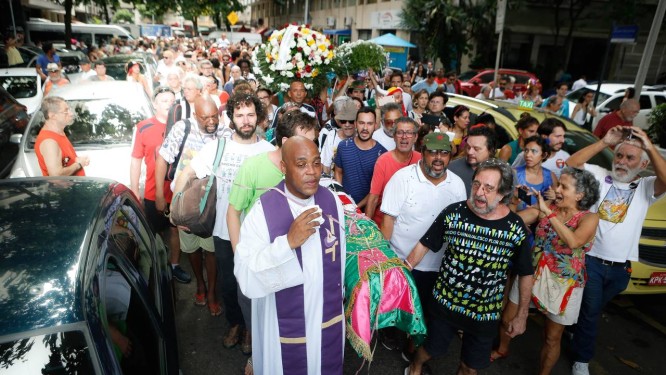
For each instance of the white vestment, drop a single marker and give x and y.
(263, 268)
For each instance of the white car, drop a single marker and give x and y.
(25, 85)
(103, 129)
(610, 98)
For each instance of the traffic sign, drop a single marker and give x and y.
(624, 34)
(499, 17)
(232, 18)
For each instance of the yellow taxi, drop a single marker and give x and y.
(649, 273)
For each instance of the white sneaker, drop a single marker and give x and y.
(580, 368)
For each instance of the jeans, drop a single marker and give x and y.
(603, 283)
(226, 281)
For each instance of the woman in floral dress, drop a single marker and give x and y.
(564, 233)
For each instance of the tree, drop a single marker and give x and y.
(123, 16)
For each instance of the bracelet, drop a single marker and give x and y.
(552, 215)
(409, 265)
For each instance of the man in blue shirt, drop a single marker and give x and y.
(427, 84)
(355, 158)
(48, 57)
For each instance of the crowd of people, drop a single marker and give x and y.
(470, 226)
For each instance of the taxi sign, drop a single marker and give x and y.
(526, 104)
(232, 18)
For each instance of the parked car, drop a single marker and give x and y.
(13, 120)
(24, 84)
(471, 81)
(103, 128)
(78, 262)
(610, 98)
(649, 274)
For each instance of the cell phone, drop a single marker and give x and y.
(524, 195)
(385, 100)
(430, 119)
(626, 133)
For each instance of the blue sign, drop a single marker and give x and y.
(156, 30)
(624, 34)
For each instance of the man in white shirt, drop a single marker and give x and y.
(345, 118)
(580, 83)
(553, 130)
(163, 67)
(625, 198)
(86, 70)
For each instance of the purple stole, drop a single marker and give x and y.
(290, 302)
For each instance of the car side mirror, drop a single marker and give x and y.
(15, 138)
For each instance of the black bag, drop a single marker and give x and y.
(171, 168)
(194, 207)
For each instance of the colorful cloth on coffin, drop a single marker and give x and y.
(380, 290)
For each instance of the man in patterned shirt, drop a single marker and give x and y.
(483, 237)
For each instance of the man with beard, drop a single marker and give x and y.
(404, 131)
(553, 131)
(356, 157)
(390, 112)
(623, 116)
(290, 261)
(413, 198)
(329, 140)
(625, 199)
(480, 146)
(481, 238)
(204, 131)
(244, 111)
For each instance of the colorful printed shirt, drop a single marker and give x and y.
(567, 262)
(470, 287)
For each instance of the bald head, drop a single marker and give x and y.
(301, 165)
(629, 109)
(206, 114)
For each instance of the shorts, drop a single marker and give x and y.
(425, 281)
(190, 243)
(570, 316)
(157, 221)
(475, 352)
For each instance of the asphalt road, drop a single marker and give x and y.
(632, 340)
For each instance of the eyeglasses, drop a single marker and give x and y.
(263, 97)
(346, 121)
(437, 152)
(389, 122)
(476, 185)
(405, 134)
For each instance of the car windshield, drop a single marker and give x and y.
(56, 353)
(574, 95)
(98, 122)
(20, 87)
(467, 75)
(576, 140)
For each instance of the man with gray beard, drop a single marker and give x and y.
(625, 199)
(480, 238)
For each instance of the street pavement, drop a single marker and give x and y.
(632, 340)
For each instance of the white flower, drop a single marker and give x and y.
(289, 74)
(289, 66)
(292, 44)
(268, 79)
(256, 70)
(284, 86)
(300, 65)
(308, 86)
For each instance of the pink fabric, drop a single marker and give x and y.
(396, 293)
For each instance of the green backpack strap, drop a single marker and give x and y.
(221, 142)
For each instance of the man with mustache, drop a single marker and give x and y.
(413, 198)
(480, 239)
(342, 127)
(553, 130)
(356, 157)
(480, 146)
(625, 200)
(290, 261)
(244, 111)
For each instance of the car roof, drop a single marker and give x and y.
(18, 72)
(613, 88)
(44, 241)
(123, 58)
(87, 90)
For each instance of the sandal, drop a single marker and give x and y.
(496, 355)
(215, 309)
(200, 299)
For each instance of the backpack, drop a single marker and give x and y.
(172, 167)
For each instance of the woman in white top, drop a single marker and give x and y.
(133, 69)
(582, 108)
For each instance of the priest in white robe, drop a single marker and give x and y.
(290, 262)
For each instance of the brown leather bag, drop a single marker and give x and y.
(194, 206)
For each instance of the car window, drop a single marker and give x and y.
(129, 321)
(574, 95)
(645, 102)
(101, 39)
(521, 79)
(574, 141)
(55, 353)
(659, 99)
(117, 71)
(98, 122)
(467, 75)
(20, 86)
(614, 104)
(487, 77)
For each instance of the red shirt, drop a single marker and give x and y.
(608, 122)
(147, 141)
(385, 168)
(66, 149)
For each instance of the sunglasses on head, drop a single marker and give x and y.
(346, 121)
(161, 90)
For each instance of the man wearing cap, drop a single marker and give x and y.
(345, 119)
(413, 198)
(480, 238)
(356, 157)
(100, 70)
(480, 146)
(55, 78)
(86, 71)
(357, 90)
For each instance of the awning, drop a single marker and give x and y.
(391, 40)
(337, 32)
